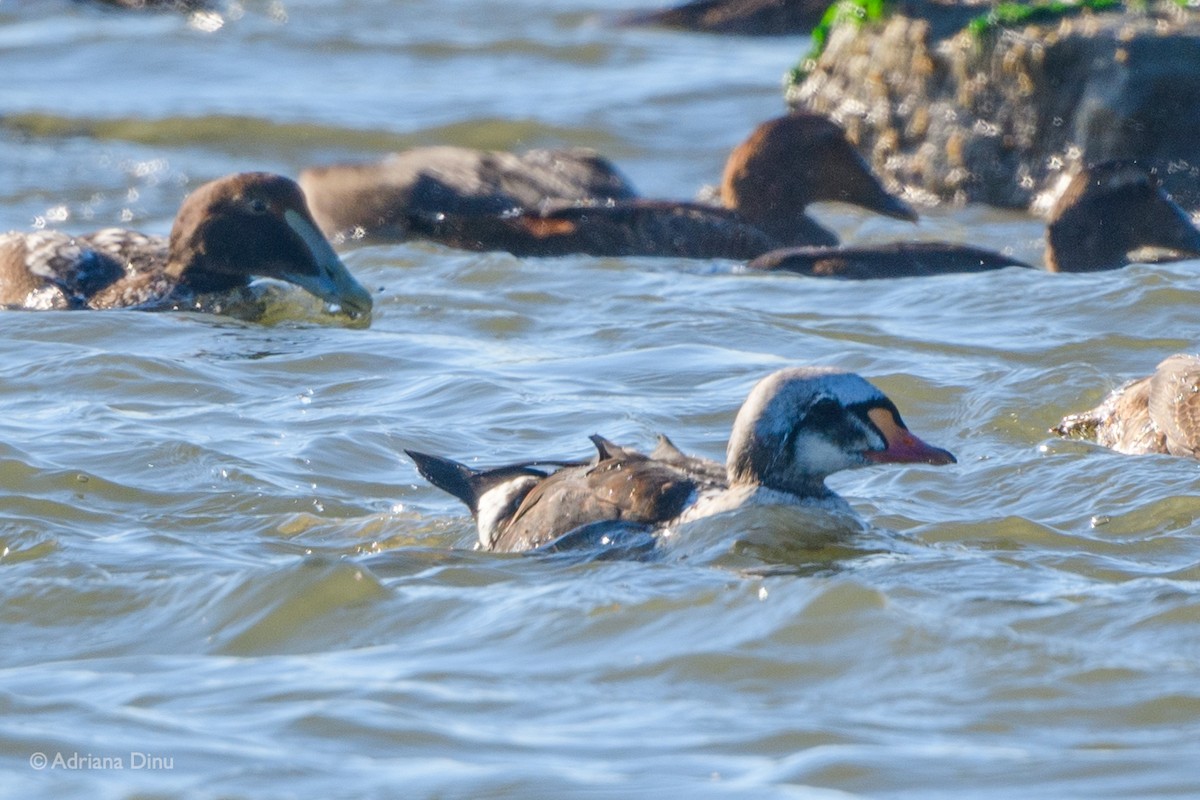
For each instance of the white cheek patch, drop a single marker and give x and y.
(497, 505)
(820, 456)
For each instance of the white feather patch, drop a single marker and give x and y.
(495, 507)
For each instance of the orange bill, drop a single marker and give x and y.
(902, 446)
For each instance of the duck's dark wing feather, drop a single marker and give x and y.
(899, 260)
(628, 487)
(706, 472)
(740, 17)
(604, 541)
(662, 228)
(628, 228)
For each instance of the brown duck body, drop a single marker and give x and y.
(1156, 414)
(796, 427)
(629, 228)
(520, 507)
(1106, 214)
(226, 233)
(770, 179)
(898, 260)
(383, 201)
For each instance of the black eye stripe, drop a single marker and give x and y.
(825, 410)
(831, 420)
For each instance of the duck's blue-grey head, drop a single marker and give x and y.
(800, 425)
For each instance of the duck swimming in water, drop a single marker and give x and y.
(227, 231)
(737, 17)
(378, 201)
(1156, 414)
(796, 427)
(1106, 214)
(770, 179)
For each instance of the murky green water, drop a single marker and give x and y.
(221, 578)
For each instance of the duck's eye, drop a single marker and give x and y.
(831, 420)
(257, 205)
(825, 413)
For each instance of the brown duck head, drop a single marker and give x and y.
(1110, 210)
(788, 163)
(257, 224)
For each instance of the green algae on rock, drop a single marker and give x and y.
(975, 103)
(1007, 15)
(841, 12)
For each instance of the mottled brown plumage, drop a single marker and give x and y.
(796, 427)
(226, 232)
(1156, 414)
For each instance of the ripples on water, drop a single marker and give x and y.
(214, 553)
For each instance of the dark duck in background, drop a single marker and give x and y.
(1108, 216)
(769, 181)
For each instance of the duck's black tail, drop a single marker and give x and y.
(449, 476)
(469, 485)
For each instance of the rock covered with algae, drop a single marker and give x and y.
(965, 102)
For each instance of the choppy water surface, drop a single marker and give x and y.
(214, 554)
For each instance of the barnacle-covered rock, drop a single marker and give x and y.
(963, 102)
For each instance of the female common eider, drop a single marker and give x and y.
(1106, 214)
(375, 202)
(1156, 414)
(770, 179)
(226, 232)
(797, 427)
